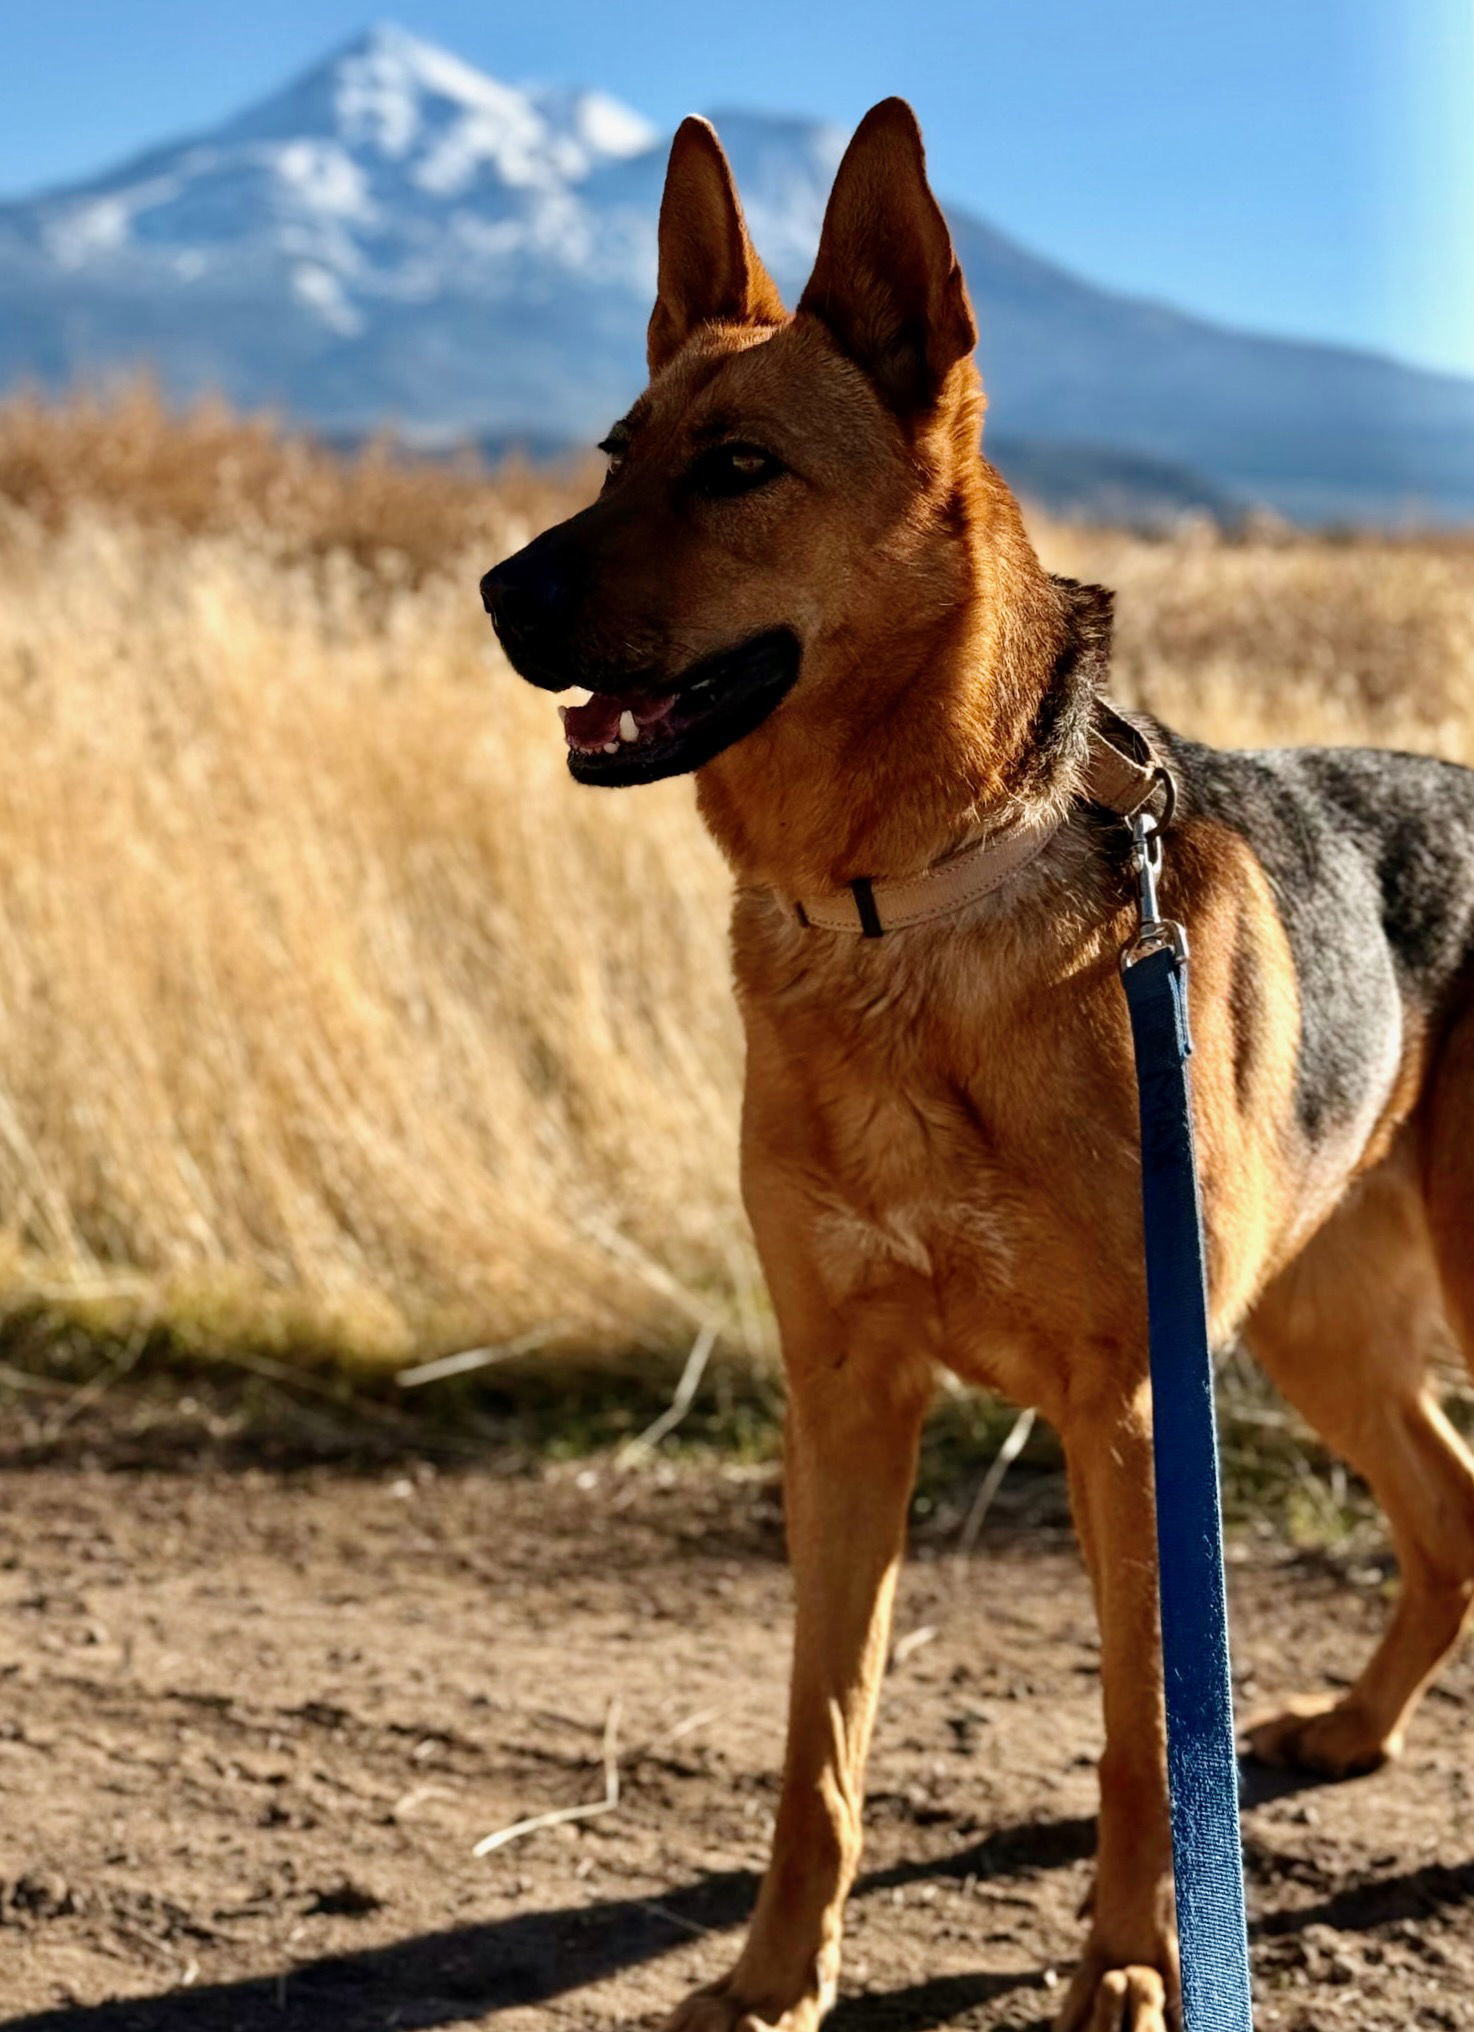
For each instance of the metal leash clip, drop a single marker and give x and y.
(1153, 933)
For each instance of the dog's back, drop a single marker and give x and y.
(1371, 858)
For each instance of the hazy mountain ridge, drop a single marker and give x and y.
(396, 236)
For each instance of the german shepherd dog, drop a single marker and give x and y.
(803, 583)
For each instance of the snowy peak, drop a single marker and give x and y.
(392, 100)
(353, 164)
(391, 172)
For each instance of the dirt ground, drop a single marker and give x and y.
(258, 1704)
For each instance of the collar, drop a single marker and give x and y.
(1122, 771)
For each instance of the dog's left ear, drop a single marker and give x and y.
(886, 282)
(709, 269)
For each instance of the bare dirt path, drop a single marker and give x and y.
(255, 1712)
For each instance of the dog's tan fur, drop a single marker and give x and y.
(938, 1144)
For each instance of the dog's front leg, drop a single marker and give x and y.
(1127, 1979)
(854, 1416)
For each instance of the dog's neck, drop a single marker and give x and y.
(970, 725)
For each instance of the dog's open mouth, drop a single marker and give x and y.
(639, 735)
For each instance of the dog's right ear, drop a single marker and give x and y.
(886, 283)
(709, 269)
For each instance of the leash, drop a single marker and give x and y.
(1202, 1764)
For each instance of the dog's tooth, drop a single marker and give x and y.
(628, 731)
(563, 714)
(611, 747)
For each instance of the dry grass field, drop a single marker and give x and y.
(338, 1025)
(333, 1016)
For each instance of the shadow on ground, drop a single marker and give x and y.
(445, 1978)
(442, 1979)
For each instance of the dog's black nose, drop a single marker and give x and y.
(498, 596)
(525, 594)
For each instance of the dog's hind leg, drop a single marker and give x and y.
(1346, 1332)
(856, 1400)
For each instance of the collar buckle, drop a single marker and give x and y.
(1154, 933)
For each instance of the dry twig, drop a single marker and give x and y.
(992, 1482)
(469, 1359)
(679, 1405)
(561, 1815)
(913, 1641)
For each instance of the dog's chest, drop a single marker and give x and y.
(910, 1178)
(941, 1177)
(953, 1154)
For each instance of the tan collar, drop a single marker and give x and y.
(1121, 772)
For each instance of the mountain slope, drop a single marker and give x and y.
(396, 237)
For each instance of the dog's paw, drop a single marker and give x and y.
(1323, 1735)
(1132, 1999)
(722, 2008)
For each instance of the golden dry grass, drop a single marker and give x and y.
(333, 1013)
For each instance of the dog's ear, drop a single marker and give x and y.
(709, 269)
(886, 282)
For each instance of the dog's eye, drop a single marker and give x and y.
(615, 450)
(733, 469)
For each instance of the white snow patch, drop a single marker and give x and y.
(376, 101)
(512, 139)
(592, 127)
(412, 102)
(324, 176)
(395, 53)
(492, 238)
(95, 228)
(321, 289)
(561, 227)
(102, 225)
(611, 128)
(395, 85)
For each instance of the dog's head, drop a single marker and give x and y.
(785, 494)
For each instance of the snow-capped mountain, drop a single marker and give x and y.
(394, 237)
(397, 238)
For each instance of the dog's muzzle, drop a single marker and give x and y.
(640, 724)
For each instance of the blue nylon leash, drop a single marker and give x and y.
(1202, 1766)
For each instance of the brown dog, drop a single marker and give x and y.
(802, 582)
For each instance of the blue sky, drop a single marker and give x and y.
(1295, 166)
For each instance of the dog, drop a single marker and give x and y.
(803, 584)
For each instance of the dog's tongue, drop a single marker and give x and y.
(595, 723)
